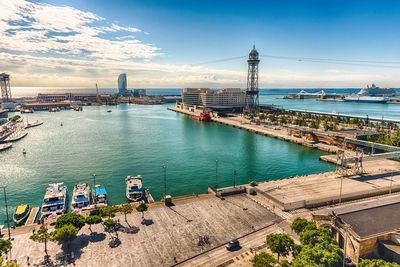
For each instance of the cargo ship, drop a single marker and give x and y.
(204, 116)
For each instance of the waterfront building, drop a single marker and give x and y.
(214, 99)
(122, 83)
(66, 97)
(139, 92)
(46, 106)
(371, 228)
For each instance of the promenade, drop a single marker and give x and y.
(170, 237)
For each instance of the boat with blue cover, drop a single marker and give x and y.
(99, 196)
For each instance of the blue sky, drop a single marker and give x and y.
(156, 42)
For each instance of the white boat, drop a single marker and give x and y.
(80, 197)
(366, 99)
(134, 191)
(55, 200)
(30, 124)
(99, 196)
(377, 91)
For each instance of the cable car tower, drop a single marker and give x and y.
(5, 87)
(252, 82)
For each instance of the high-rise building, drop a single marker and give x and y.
(122, 83)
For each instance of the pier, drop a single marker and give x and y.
(32, 216)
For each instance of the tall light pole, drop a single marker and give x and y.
(391, 182)
(234, 178)
(94, 190)
(165, 181)
(216, 174)
(347, 226)
(8, 221)
(341, 185)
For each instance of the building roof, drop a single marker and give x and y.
(45, 104)
(355, 132)
(371, 218)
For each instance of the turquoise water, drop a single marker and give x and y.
(135, 139)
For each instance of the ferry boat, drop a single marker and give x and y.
(55, 199)
(204, 116)
(134, 191)
(21, 214)
(366, 99)
(377, 91)
(80, 197)
(99, 196)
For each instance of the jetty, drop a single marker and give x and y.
(30, 124)
(32, 216)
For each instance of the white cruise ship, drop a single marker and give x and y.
(55, 199)
(371, 94)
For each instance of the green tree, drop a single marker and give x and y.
(314, 236)
(141, 208)
(126, 209)
(111, 226)
(93, 219)
(298, 225)
(14, 118)
(76, 220)
(66, 234)
(5, 245)
(43, 236)
(8, 264)
(108, 211)
(377, 263)
(281, 244)
(263, 259)
(262, 116)
(323, 255)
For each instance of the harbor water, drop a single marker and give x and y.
(140, 139)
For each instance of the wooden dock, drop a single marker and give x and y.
(32, 216)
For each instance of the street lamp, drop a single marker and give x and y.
(94, 190)
(346, 226)
(8, 221)
(165, 181)
(216, 174)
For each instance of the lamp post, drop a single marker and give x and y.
(165, 181)
(341, 185)
(234, 178)
(216, 174)
(346, 226)
(8, 221)
(94, 190)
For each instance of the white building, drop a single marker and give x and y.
(225, 97)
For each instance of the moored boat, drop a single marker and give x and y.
(134, 191)
(55, 199)
(80, 197)
(21, 214)
(99, 196)
(366, 99)
(204, 116)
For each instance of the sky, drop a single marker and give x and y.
(180, 43)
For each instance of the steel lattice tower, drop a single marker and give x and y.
(252, 81)
(5, 87)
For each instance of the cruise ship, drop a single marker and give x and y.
(134, 191)
(371, 94)
(80, 197)
(55, 199)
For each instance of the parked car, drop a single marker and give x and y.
(232, 244)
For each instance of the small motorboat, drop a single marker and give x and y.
(24, 151)
(61, 124)
(109, 110)
(21, 214)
